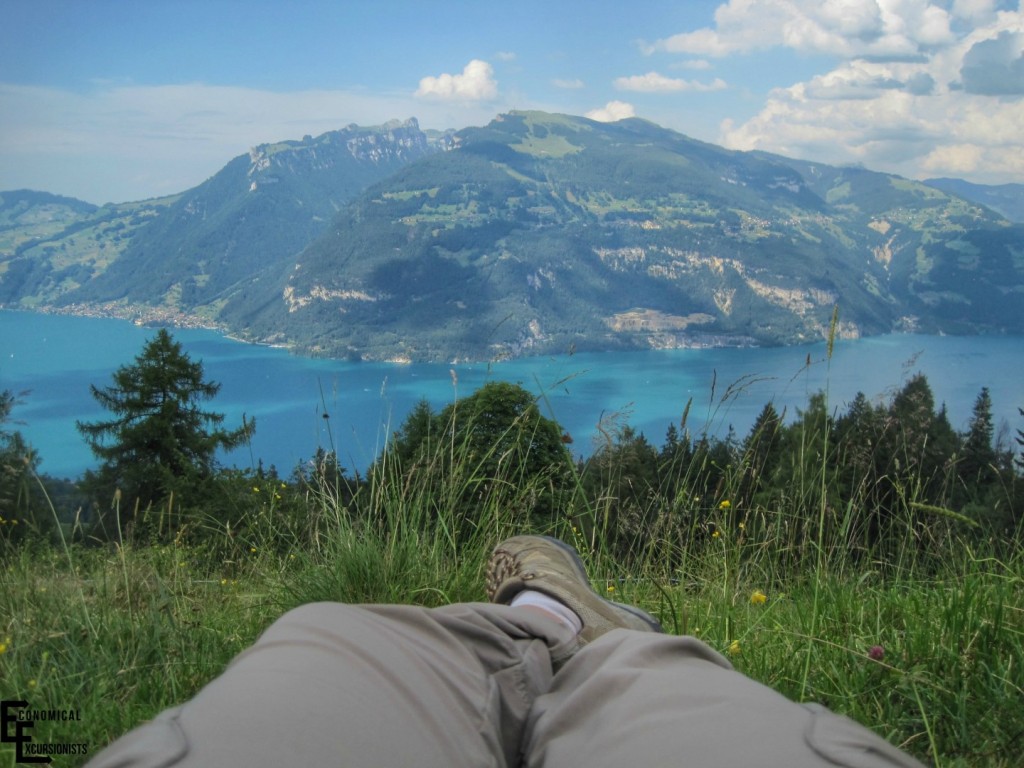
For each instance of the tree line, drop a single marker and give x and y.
(866, 478)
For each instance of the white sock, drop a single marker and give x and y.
(559, 610)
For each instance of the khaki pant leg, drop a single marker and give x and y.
(642, 700)
(376, 686)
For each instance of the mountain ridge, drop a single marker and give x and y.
(539, 233)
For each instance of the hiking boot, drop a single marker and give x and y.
(550, 566)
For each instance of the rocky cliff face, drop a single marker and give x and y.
(388, 146)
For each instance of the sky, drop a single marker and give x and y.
(121, 100)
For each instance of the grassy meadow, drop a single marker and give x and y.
(927, 652)
(912, 625)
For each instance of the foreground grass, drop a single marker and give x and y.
(933, 663)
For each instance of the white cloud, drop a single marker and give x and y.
(571, 85)
(882, 29)
(945, 134)
(476, 83)
(919, 87)
(978, 11)
(612, 111)
(653, 82)
(505, 56)
(995, 67)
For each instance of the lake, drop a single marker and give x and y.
(54, 359)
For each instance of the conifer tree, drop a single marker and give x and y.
(978, 460)
(158, 440)
(1020, 442)
(759, 453)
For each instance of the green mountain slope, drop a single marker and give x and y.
(260, 209)
(545, 232)
(535, 233)
(1006, 199)
(183, 255)
(50, 246)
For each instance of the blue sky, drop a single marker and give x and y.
(115, 100)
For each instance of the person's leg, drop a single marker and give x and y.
(632, 696)
(342, 685)
(641, 699)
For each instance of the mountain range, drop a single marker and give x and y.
(535, 233)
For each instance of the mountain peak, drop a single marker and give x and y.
(541, 233)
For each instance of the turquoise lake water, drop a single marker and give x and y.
(56, 358)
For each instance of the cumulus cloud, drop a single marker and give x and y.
(879, 29)
(612, 111)
(942, 134)
(919, 87)
(654, 82)
(476, 83)
(995, 67)
(977, 11)
(859, 80)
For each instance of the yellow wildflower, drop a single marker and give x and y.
(32, 683)
(758, 598)
(743, 526)
(734, 648)
(715, 535)
(611, 587)
(252, 549)
(725, 504)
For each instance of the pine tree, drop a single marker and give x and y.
(1020, 442)
(158, 441)
(977, 468)
(759, 453)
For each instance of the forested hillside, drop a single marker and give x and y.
(535, 233)
(547, 233)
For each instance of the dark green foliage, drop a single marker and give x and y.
(864, 480)
(761, 455)
(158, 443)
(622, 480)
(16, 460)
(495, 438)
(25, 511)
(977, 467)
(1020, 442)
